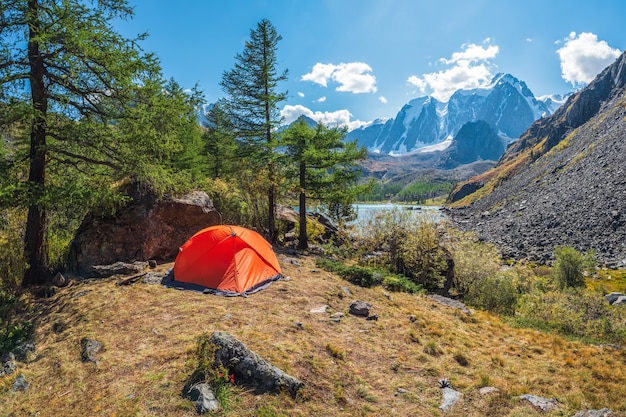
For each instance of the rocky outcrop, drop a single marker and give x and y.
(575, 193)
(249, 368)
(146, 228)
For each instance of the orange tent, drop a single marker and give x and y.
(227, 260)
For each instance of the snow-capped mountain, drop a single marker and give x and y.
(507, 104)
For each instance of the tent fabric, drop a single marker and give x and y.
(227, 260)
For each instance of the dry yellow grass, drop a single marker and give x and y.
(351, 368)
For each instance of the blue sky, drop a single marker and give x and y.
(352, 61)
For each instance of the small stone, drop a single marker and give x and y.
(336, 317)
(152, 263)
(20, 384)
(400, 391)
(59, 280)
(373, 317)
(488, 390)
(203, 398)
(412, 318)
(89, 348)
(299, 325)
(293, 261)
(346, 291)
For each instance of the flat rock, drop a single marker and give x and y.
(541, 403)
(605, 412)
(449, 302)
(320, 309)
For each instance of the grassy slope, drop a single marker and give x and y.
(148, 333)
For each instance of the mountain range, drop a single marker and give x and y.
(506, 104)
(562, 183)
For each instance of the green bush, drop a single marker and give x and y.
(362, 277)
(12, 257)
(574, 312)
(474, 260)
(400, 243)
(496, 294)
(570, 266)
(330, 265)
(400, 283)
(12, 333)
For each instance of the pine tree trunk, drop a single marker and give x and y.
(34, 239)
(303, 238)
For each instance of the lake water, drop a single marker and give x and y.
(366, 211)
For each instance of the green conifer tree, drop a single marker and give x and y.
(251, 102)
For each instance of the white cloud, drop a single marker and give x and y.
(583, 57)
(382, 99)
(321, 99)
(300, 93)
(470, 68)
(472, 53)
(336, 118)
(353, 77)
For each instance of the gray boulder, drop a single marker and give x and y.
(612, 297)
(621, 300)
(360, 308)
(249, 368)
(449, 396)
(7, 362)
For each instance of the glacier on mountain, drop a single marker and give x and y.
(506, 103)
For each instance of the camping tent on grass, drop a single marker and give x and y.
(227, 260)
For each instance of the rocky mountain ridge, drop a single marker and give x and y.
(507, 104)
(562, 183)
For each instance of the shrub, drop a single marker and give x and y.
(570, 266)
(12, 333)
(12, 257)
(215, 375)
(362, 277)
(399, 242)
(422, 258)
(400, 283)
(496, 294)
(474, 260)
(330, 265)
(573, 312)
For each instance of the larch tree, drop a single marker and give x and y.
(220, 144)
(251, 103)
(325, 165)
(92, 103)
